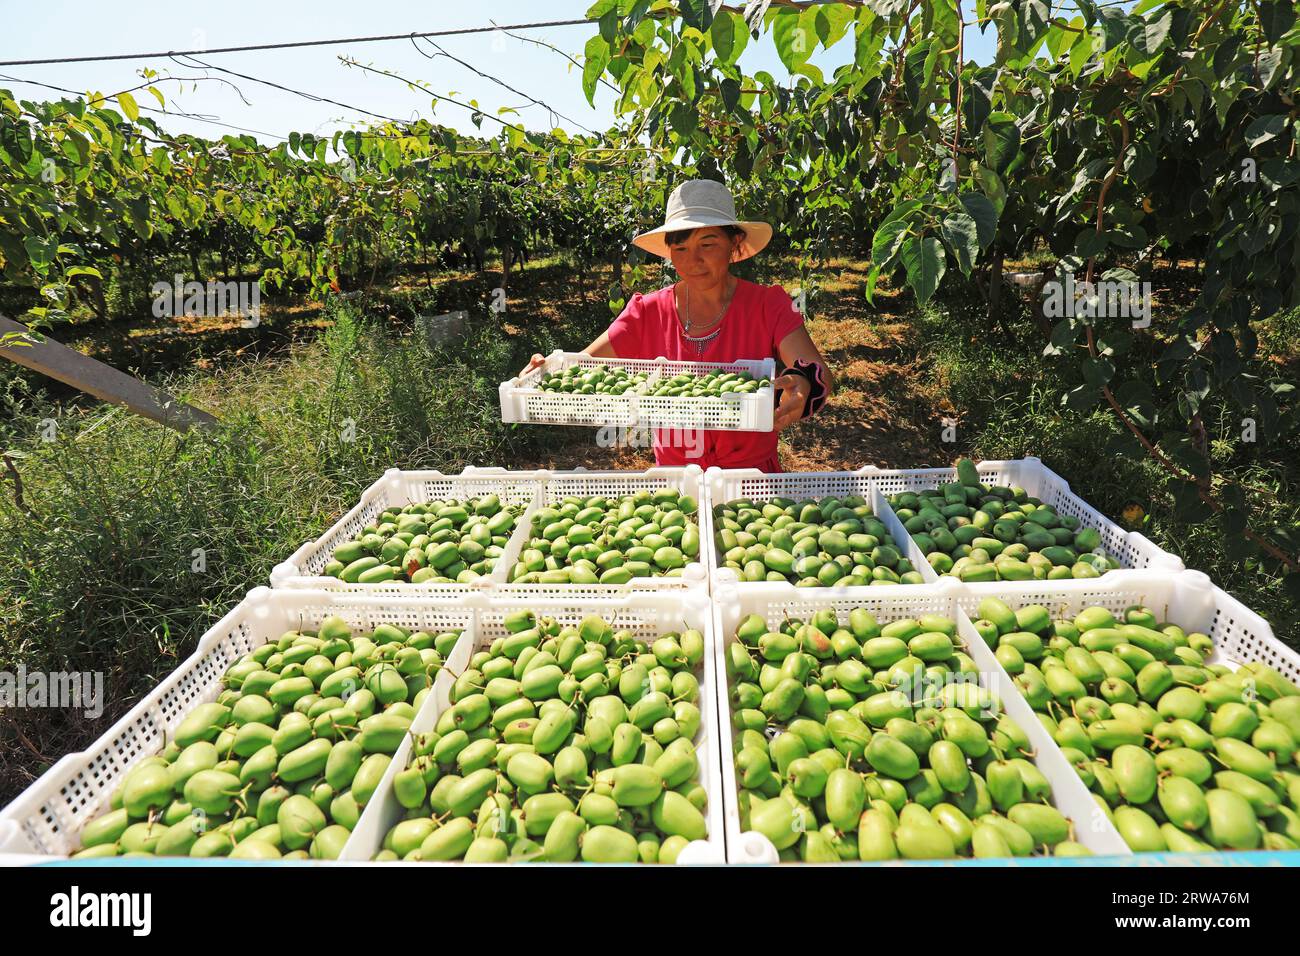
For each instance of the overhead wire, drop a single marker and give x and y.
(180, 114)
(556, 49)
(287, 89)
(488, 76)
(294, 44)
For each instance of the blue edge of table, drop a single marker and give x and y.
(1252, 858)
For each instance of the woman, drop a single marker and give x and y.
(709, 315)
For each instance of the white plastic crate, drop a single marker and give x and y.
(647, 616)
(523, 401)
(1130, 548)
(726, 485)
(396, 489)
(776, 601)
(1186, 598)
(47, 818)
(554, 486)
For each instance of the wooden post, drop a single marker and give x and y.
(102, 381)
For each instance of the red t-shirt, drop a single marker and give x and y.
(757, 320)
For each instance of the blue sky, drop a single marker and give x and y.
(56, 28)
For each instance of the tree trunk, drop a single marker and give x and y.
(374, 270)
(1044, 321)
(995, 291)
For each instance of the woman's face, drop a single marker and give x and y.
(704, 256)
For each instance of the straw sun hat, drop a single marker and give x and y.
(702, 202)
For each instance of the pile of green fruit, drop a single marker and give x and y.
(597, 380)
(610, 540)
(812, 543)
(282, 763)
(437, 542)
(710, 385)
(561, 743)
(998, 534)
(864, 742)
(1182, 755)
(603, 380)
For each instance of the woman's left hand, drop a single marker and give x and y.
(794, 391)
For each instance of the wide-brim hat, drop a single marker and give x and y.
(702, 202)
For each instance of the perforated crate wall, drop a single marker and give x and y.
(523, 402)
(1186, 598)
(1130, 548)
(48, 817)
(397, 489)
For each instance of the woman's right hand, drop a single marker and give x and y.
(537, 361)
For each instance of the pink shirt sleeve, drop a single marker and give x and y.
(782, 316)
(627, 333)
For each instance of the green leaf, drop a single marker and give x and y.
(813, 72)
(980, 209)
(595, 60)
(1188, 506)
(1154, 33)
(887, 241)
(1089, 243)
(1097, 371)
(129, 107)
(1084, 398)
(1033, 23)
(1064, 333)
(1114, 343)
(891, 232)
(1124, 444)
(1001, 138)
(793, 41)
(1264, 128)
(40, 253)
(838, 17)
(637, 14)
(608, 26)
(870, 290)
(730, 92)
(728, 34)
(684, 119)
(917, 76)
(979, 99)
(924, 260)
(1270, 61)
(992, 188)
(962, 234)
(696, 13)
(1276, 18)
(74, 148)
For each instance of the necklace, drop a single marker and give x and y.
(701, 341)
